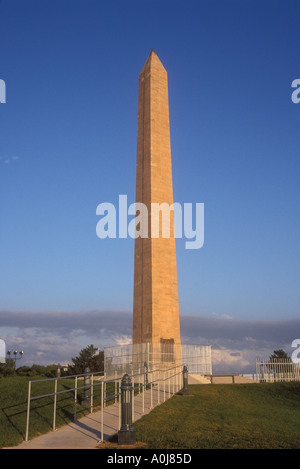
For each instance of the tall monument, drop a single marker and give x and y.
(155, 308)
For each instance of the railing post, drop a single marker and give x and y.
(119, 404)
(102, 410)
(75, 398)
(185, 389)
(86, 401)
(92, 393)
(151, 400)
(173, 379)
(132, 399)
(28, 411)
(139, 375)
(180, 378)
(146, 373)
(262, 372)
(126, 434)
(54, 407)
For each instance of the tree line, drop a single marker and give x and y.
(90, 357)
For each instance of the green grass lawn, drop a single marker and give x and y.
(13, 407)
(212, 416)
(226, 416)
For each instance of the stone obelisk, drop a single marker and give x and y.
(155, 308)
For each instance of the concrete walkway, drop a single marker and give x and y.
(86, 432)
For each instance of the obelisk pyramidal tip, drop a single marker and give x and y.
(155, 308)
(152, 59)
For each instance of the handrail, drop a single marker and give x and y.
(56, 393)
(159, 377)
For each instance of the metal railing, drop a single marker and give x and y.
(122, 358)
(55, 393)
(276, 370)
(157, 385)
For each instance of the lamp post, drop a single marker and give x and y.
(15, 352)
(86, 402)
(146, 374)
(126, 434)
(185, 390)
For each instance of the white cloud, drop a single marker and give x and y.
(56, 337)
(226, 316)
(123, 340)
(8, 160)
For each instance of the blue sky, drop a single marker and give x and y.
(68, 142)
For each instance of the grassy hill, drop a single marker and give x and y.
(13, 407)
(226, 416)
(212, 416)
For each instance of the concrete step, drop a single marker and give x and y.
(198, 379)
